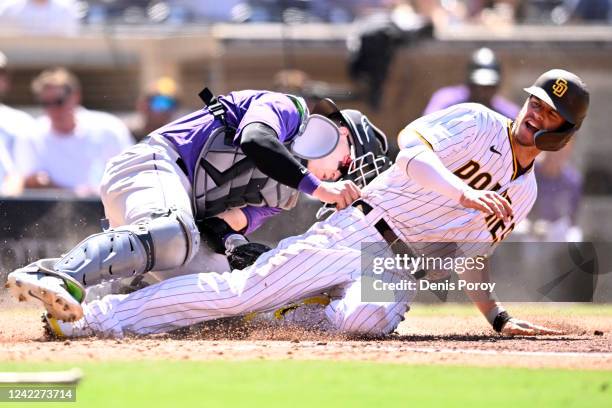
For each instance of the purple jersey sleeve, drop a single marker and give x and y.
(275, 110)
(257, 215)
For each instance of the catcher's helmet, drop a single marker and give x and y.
(568, 95)
(369, 144)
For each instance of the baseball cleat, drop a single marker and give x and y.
(59, 293)
(57, 329)
(308, 313)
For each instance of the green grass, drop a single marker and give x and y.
(293, 384)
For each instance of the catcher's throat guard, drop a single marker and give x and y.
(319, 138)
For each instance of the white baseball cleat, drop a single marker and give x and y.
(57, 329)
(59, 293)
(308, 314)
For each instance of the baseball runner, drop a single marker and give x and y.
(220, 171)
(464, 177)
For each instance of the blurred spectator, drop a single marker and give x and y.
(14, 125)
(40, 17)
(157, 107)
(588, 11)
(298, 82)
(483, 81)
(493, 12)
(69, 145)
(6, 166)
(213, 11)
(554, 214)
(374, 44)
(292, 81)
(11, 184)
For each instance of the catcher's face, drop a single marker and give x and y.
(534, 116)
(330, 167)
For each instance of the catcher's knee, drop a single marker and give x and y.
(175, 239)
(168, 240)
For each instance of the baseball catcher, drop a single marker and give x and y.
(213, 175)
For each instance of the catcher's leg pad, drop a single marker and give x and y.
(167, 241)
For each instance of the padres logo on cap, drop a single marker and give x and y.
(560, 87)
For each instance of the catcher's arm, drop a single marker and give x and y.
(495, 313)
(224, 235)
(235, 218)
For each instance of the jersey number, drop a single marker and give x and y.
(480, 181)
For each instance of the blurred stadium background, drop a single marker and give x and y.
(383, 57)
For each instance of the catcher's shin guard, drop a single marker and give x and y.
(165, 242)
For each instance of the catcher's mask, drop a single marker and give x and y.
(317, 135)
(568, 95)
(368, 144)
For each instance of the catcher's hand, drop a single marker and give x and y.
(245, 255)
(516, 327)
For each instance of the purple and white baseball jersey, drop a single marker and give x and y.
(189, 133)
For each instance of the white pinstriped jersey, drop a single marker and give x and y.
(474, 143)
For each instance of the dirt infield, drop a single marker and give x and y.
(437, 338)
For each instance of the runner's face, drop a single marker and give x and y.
(534, 116)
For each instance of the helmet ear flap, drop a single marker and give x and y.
(553, 141)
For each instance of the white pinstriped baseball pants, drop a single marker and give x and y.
(327, 257)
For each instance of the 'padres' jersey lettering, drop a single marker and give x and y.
(480, 181)
(498, 229)
(474, 143)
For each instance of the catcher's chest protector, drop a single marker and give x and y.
(225, 178)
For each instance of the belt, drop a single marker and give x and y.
(397, 245)
(383, 229)
(181, 163)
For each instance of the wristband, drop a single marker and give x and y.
(309, 184)
(500, 321)
(492, 314)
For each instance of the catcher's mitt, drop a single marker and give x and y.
(245, 255)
